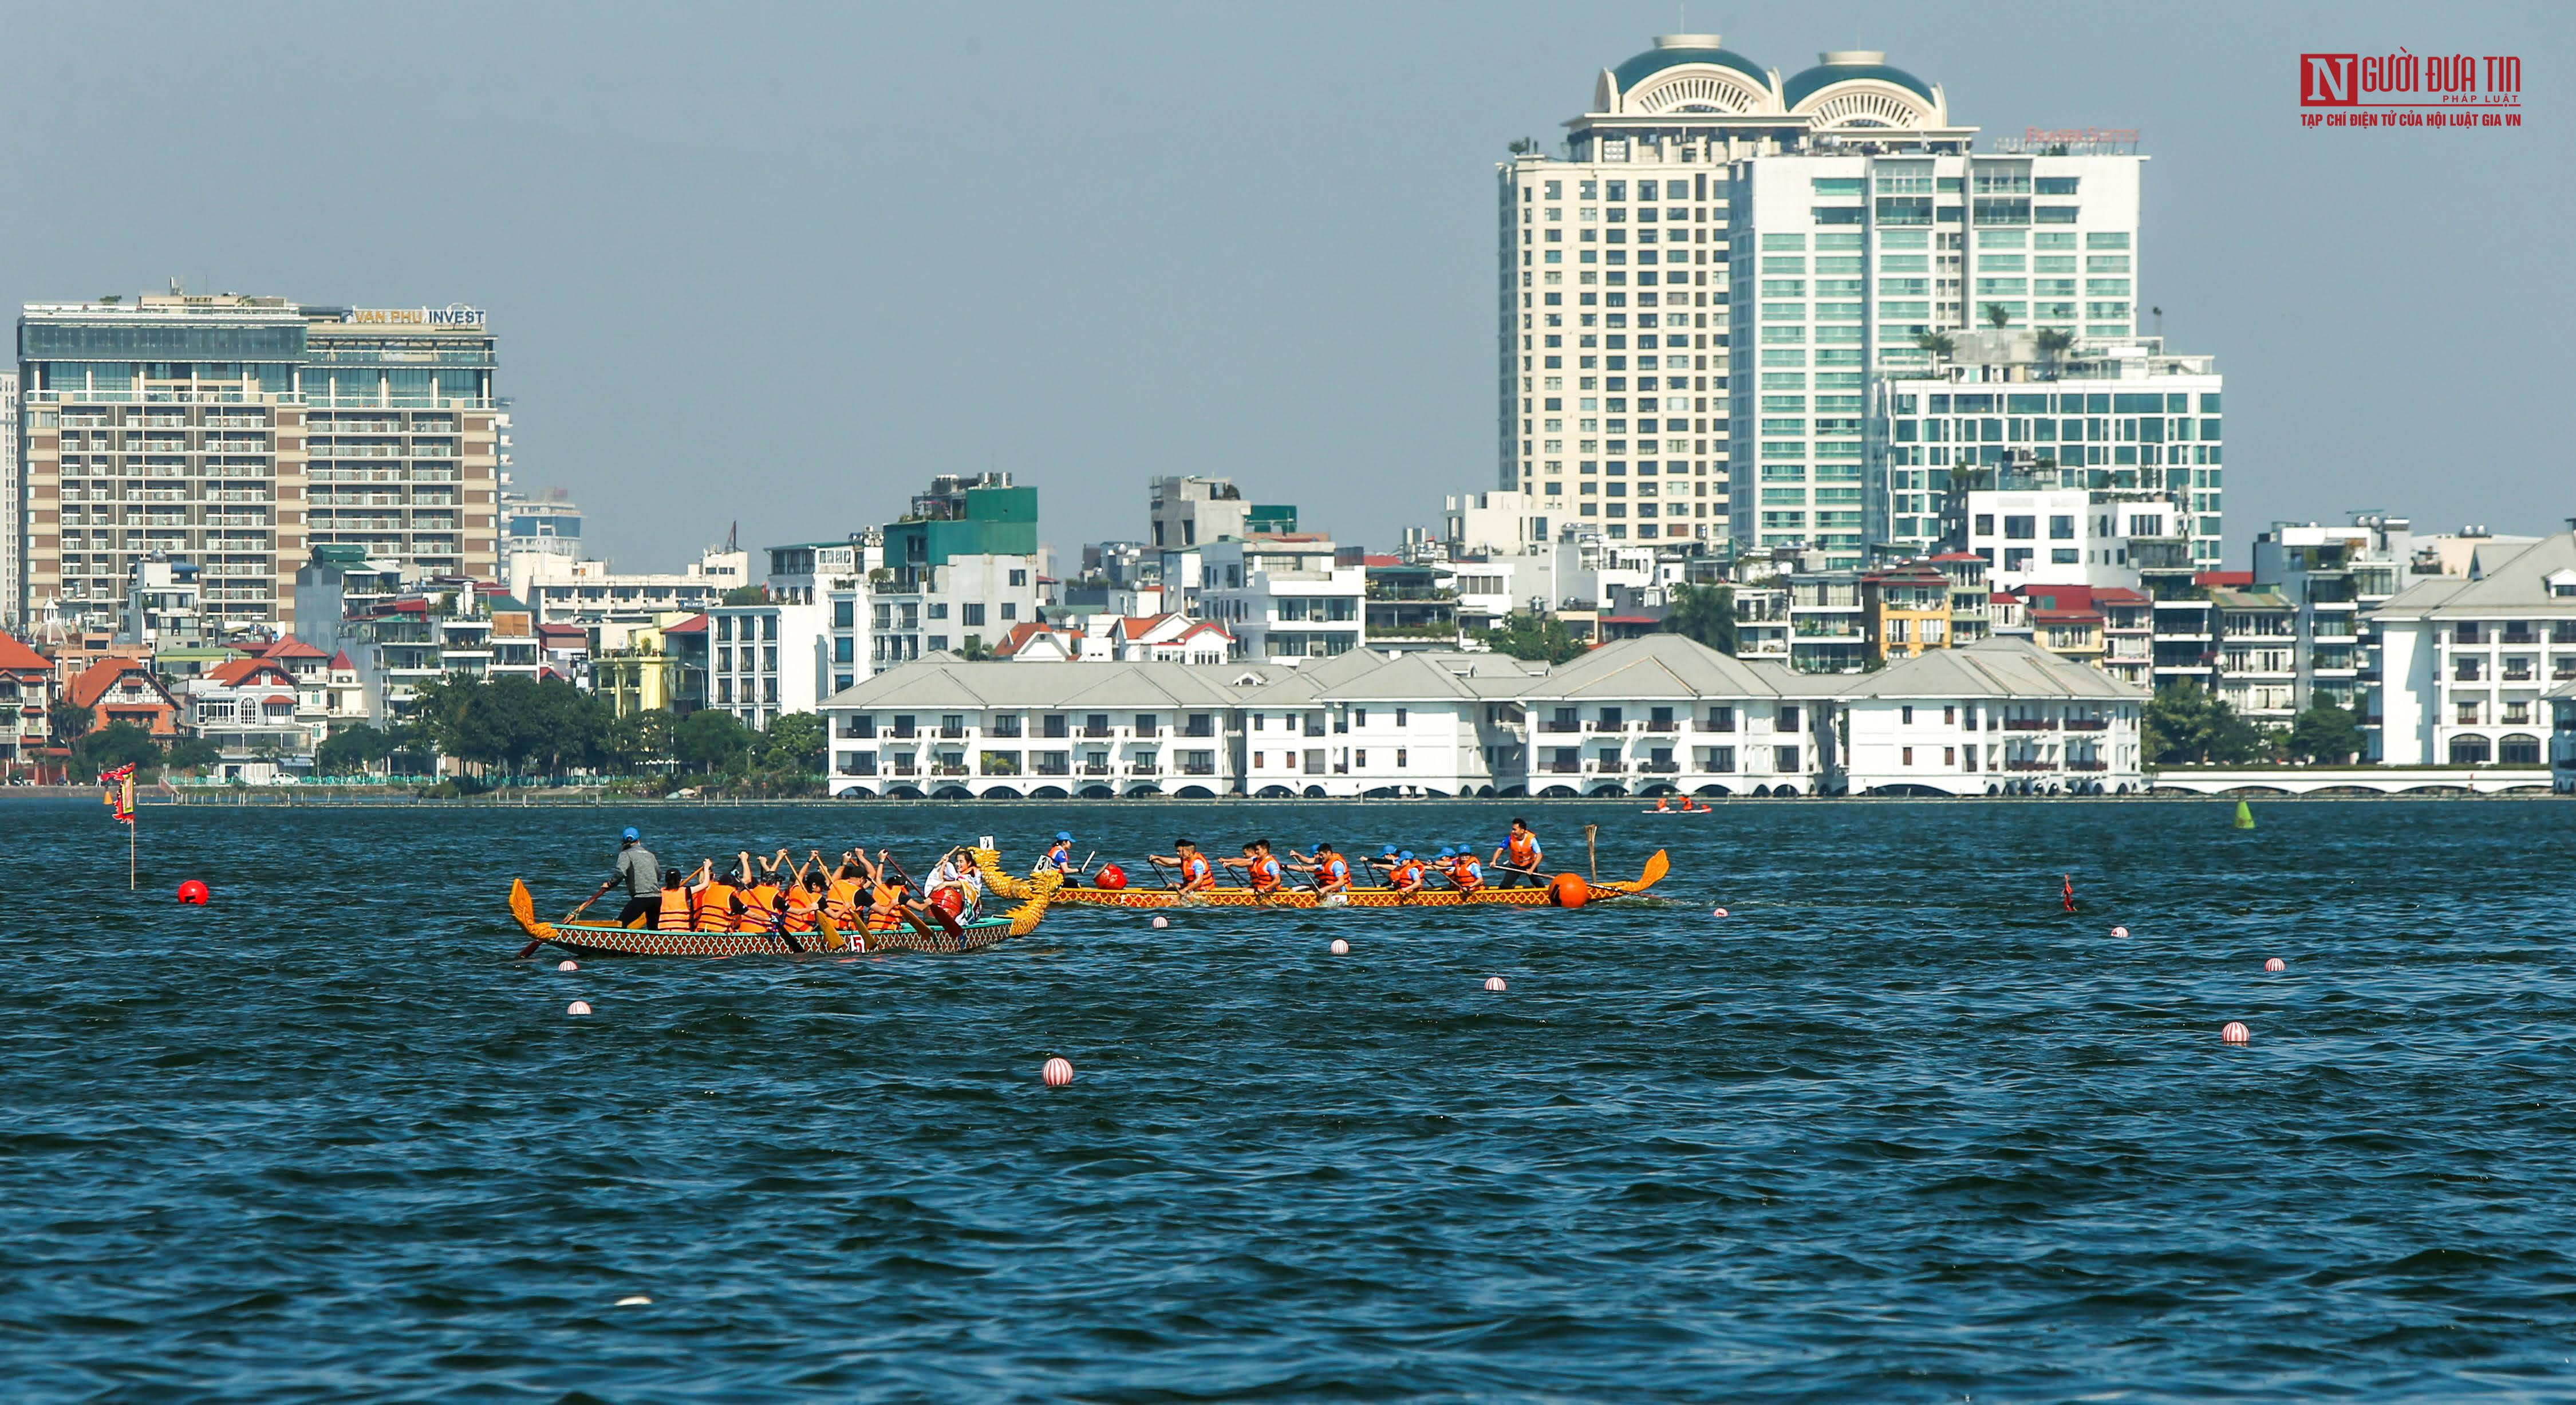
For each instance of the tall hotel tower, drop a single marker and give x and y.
(237, 433)
(1696, 293)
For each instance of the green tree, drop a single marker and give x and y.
(973, 649)
(192, 754)
(1998, 316)
(793, 746)
(711, 740)
(354, 750)
(747, 595)
(2054, 343)
(2185, 724)
(1543, 638)
(640, 740)
(114, 745)
(2326, 733)
(1940, 344)
(65, 721)
(1704, 613)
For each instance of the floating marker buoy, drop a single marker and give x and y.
(194, 893)
(1717, 912)
(1568, 890)
(1495, 983)
(578, 1007)
(1057, 1073)
(1340, 947)
(1162, 921)
(2119, 931)
(635, 1300)
(2276, 964)
(566, 966)
(2244, 815)
(2236, 1033)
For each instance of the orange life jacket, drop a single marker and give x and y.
(759, 908)
(885, 907)
(1265, 874)
(676, 914)
(800, 907)
(715, 906)
(1194, 871)
(1468, 874)
(1523, 849)
(841, 895)
(1335, 873)
(1407, 874)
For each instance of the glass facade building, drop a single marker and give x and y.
(237, 433)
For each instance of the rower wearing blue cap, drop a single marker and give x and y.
(641, 873)
(1332, 872)
(1407, 877)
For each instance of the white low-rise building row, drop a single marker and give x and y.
(1657, 715)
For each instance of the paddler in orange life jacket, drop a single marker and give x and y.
(1518, 858)
(1197, 875)
(841, 891)
(716, 901)
(1259, 866)
(759, 893)
(675, 913)
(1332, 872)
(1462, 870)
(1407, 874)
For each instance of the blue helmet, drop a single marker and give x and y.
(1063, 837)
(1406, 855)
(1390, 852)
(630, 834)
(1448, 851)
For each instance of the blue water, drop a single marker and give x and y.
(1896, 1129)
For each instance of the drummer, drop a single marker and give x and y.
(1059, 857)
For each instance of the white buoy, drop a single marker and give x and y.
(635, 1300)
(1717, 912)
(2119, 931)
(1058, 1073)
(1340, 947)
(566, 966)
(578, 1007)
(1495, 983)
(2236, 1033)
(2276, 964)
(1161, 922)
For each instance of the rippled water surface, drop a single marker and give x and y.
(1898, 1128)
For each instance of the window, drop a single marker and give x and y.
(2062, 556)
(1399, 758)
(974, 613)
(1907, 756)
(1985, 524)
(1788, 718)
(1019, 577)
(1784, 759)
(1400, 715)
(1905, 715)
(2021, 529)
(1949, 716)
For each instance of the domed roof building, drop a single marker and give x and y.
(1692, 84)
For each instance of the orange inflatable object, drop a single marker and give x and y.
(1569, 890)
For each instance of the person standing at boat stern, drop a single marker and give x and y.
(640, 872)
(1518, 859)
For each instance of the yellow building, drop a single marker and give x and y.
(1906, 610)
(648, 674)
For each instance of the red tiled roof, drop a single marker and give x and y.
(289, 649)
(340, 661)
(275, 698)
(2118, 595)
(694, 624)
(233, 673)
(92, 683)
(2065, 616)
(16, 655)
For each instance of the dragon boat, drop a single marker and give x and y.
(1031, 896)
(1564, 890)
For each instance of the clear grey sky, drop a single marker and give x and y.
(780, 263)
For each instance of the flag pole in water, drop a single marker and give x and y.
(119, 785)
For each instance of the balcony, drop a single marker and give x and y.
(1667, 725)
(1609, 766)
(1660, 768)
(2088, 765)
(1607, 727)
(1556, 725)
(1199, 768)
(2087, 724)
(2029, 724)
(2026, 765)
(1095, 732)
(1053, 768)
(1097, 768)
(1201, 730)
(951, 733)
(1144, 768)
(949, 768)
(1561, 768)
(906, 767)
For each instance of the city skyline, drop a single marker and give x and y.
(1226, 322)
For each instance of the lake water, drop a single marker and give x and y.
(1896, 1129)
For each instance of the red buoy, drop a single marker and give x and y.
(194, 893)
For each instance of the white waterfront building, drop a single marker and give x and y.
(1655, 715)
(1695, 293)
(2464, 660)
(2000, 716)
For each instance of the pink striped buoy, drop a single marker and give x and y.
(1495, 983)
(578, 1007)
(2276, 964)
(1340, 947)
(2236, 1033)
(1161, 921)
(566, 966)
(2119, 931)
(1717, 912)
(1057, 1073)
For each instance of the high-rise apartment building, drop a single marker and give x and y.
(13, 510)
(1696, 294)
(238, 433)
